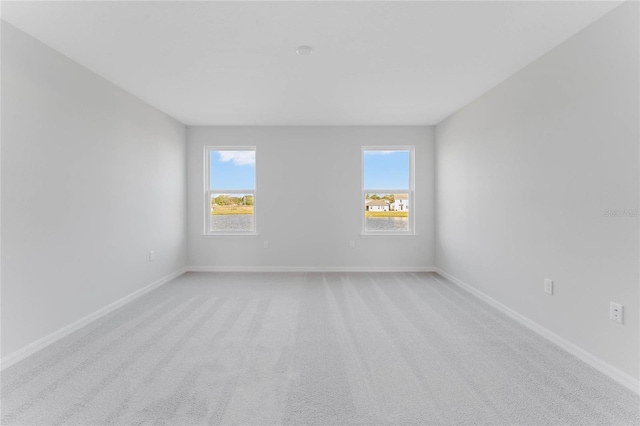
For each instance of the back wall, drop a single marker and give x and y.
(308, 199)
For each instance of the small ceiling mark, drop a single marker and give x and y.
(304, 51)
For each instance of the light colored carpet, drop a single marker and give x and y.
(309, 348)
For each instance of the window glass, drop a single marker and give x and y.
(387, 191)
(231, 191)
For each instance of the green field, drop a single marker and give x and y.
(224, 210)
(386, 214)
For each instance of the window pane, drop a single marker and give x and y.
(232, 213)
(386, 169)
(232, 170)
(386, 212)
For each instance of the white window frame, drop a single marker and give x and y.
(208, 192)
(410, 191)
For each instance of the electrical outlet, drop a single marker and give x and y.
(352, 244)
(265, 244)
(152, 255)
(616, 312)
(548, 286)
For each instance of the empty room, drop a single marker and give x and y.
(320, 213)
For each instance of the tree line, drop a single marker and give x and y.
(228, 200)
(389, 197)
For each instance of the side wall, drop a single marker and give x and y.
(525, 177)
(92, 180)
(308, 200)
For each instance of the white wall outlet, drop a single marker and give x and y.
(152, 256)
(265, 244)
(616, 312)
(548, 286)
(352, 244)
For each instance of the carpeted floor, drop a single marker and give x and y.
(309, 348)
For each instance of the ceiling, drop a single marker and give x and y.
(373, 63)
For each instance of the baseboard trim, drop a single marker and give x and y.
(610, 371)
(311, 269)
(38, 345)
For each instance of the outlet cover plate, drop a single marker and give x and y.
(616, 312)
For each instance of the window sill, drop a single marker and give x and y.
(231, 234)
(387, 235)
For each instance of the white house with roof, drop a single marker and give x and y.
(400, 203)
(372, 205)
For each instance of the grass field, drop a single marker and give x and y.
(386, 214)
(223, 210)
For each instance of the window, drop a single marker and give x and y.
(230, 190)
(387, 190)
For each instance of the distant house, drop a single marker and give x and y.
(376, 205)
(401, 202)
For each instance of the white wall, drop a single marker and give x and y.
(524, 176)
(297, 167)
(92, 179)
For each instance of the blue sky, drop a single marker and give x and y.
(386, 169)
(232, 170)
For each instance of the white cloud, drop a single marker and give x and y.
(239, 158)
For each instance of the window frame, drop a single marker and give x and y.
(208, 192)
(410, 191)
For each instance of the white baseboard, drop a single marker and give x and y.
(34, 347)
(311, 269)
(619, 376)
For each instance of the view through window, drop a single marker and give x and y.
(231, 190)
(387, 190)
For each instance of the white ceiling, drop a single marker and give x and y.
(374, 63)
